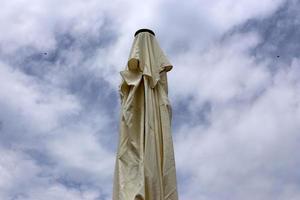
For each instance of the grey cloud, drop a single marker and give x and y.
(247, 150)
(63, 59)
(15, 183)
(195, 25)
(279, 34)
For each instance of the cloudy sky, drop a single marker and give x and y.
(234, 90)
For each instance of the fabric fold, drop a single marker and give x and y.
(147, 57)
(145, 164)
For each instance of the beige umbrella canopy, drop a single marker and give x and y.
(145, 164)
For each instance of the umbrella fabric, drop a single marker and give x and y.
(145, 164)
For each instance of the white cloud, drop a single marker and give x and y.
(194, 25)
(37, 116)
(226, 14)
(247, 147)
(59, 192)
(20, 171)
(79, 153)
(244, 150)
(223, 72)
(36, 23)
(37, 105)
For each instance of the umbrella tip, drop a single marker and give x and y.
(144, 30)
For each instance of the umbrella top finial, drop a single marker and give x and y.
(144, 30)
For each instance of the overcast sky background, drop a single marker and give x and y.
(234, 91)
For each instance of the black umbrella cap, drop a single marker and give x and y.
(144, 30)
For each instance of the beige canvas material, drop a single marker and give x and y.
(145, 164)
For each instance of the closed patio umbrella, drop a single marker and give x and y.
(145, 164)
